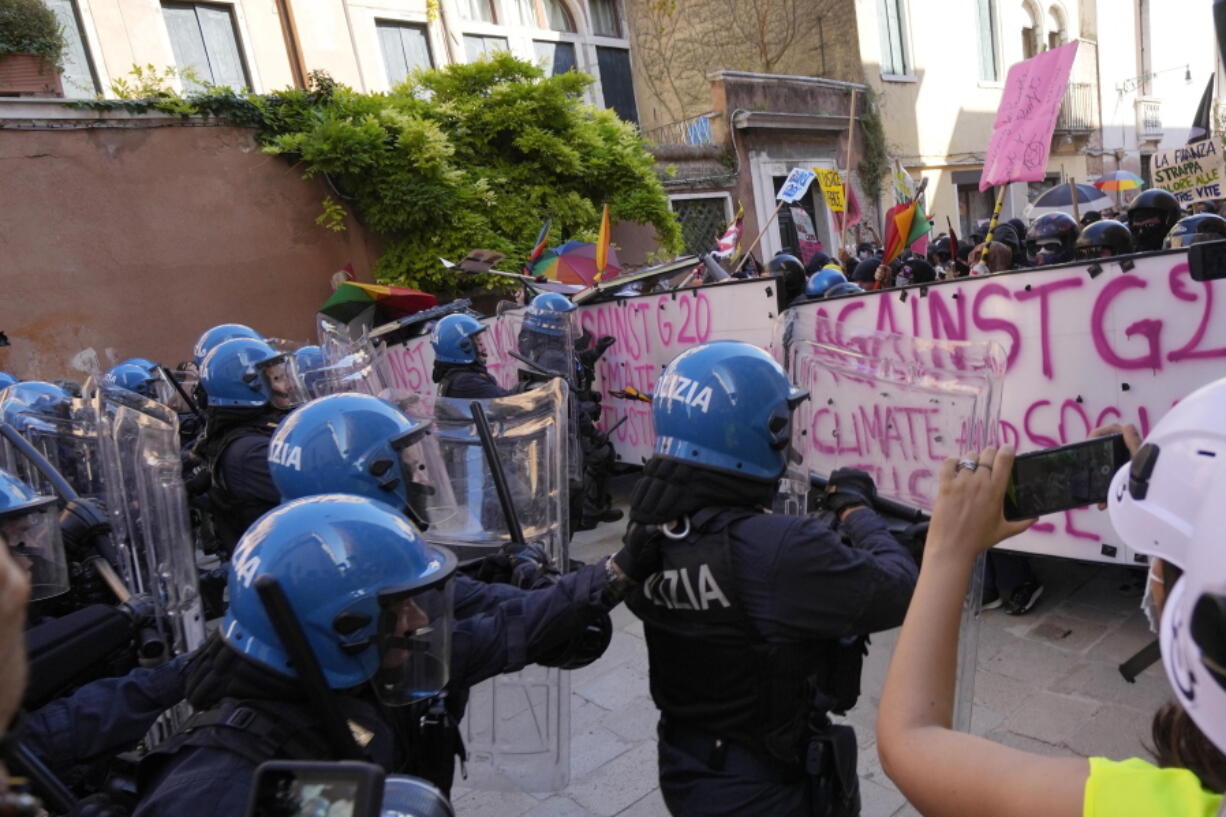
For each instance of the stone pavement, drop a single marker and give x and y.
(1047, 682)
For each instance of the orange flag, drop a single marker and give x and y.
(602, 244)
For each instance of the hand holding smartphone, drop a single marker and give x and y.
(1058, 479)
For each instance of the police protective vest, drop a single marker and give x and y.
(232, 515)
(711, 670)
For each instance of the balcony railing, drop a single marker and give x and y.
(1077, 109)
(1149, 118)
(693, 131)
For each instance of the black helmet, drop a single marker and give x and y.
(1150, 217)
(915, 271)
(939, 251)
(1103, 239)
(1051, 239)
(1195, 230)
(819, 260)
(791, 270)
(866, 271)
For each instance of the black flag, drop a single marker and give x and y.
(1202, 123)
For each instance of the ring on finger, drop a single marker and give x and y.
(967, 465)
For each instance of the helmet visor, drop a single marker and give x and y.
(415, 643)
(33, 540)
(283, 389)
(421, 463)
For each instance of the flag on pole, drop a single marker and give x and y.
(851, 215)
(898, 221)
(921, 226)
(602, 244)
(1202, 122)
(727, 245)
(542, 238)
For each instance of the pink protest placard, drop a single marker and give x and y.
(1021, 137)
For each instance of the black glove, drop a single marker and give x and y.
(640, 553)
(849, 488)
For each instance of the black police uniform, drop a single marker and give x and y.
(241, 489)
(751, 631)
(206, 769)
(469, 381)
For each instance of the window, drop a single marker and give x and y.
(606, 22)
(892, 23)
(559, 17)
(550, 14)
(405, 49)
(615, 79)
(1055, 28)
(77, 73)
(703, 220)
(477, 46)
(205, 42)
(478, 10)
(989, 62)
(558, 57)
(1030, 32)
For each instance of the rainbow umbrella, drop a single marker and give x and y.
(374, 304)
(1119, 180)
(575, 263)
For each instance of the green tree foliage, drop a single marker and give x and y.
(471, 156)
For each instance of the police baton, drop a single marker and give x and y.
(883, 506)
(187, 400)
(306, 665)
(500, 478)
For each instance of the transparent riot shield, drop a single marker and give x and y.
(343, 365)
(70, 444)
(896, 407)
(146, 504)
(535, 350)
(517, 728)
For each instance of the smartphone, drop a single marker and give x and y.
(286, 788)
(1057, 479)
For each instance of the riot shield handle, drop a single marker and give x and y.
(65, 490)
(305, 663)
(500, 478)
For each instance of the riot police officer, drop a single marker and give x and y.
(360, 445)
(249, 391)
(374, 601)
(754, 623)
(7, 380)
(459, 359)
(133, 377)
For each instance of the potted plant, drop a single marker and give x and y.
(31, 47)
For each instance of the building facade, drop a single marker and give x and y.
(370, 45)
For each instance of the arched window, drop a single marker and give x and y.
(558, 16)
(550, 14)
(1057, 34)
(1030, 30)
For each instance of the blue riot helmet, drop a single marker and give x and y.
(373, 598)
(356, 444)
(726, 406)
(132, 377)
(27, 404)
(549, 313)
(248, 373)
(144, 362)
(821, 281)
(308, 364)
(455, 339)
(845, 288)
(30, 529)
(7, 380)
(211, 338)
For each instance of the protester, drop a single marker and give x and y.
(1000, 257)
(1105, 238)
(792, 273)
(1052, 239)
(747, 672)
(1150, 217)
(1195, 229)
(1157, 509)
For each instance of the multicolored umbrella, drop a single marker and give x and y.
(374, 303)
(575, 263)
(1119, 180)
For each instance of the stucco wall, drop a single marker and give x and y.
(131, 238)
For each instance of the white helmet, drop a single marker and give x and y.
(1192, 633)
(1155, 499)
